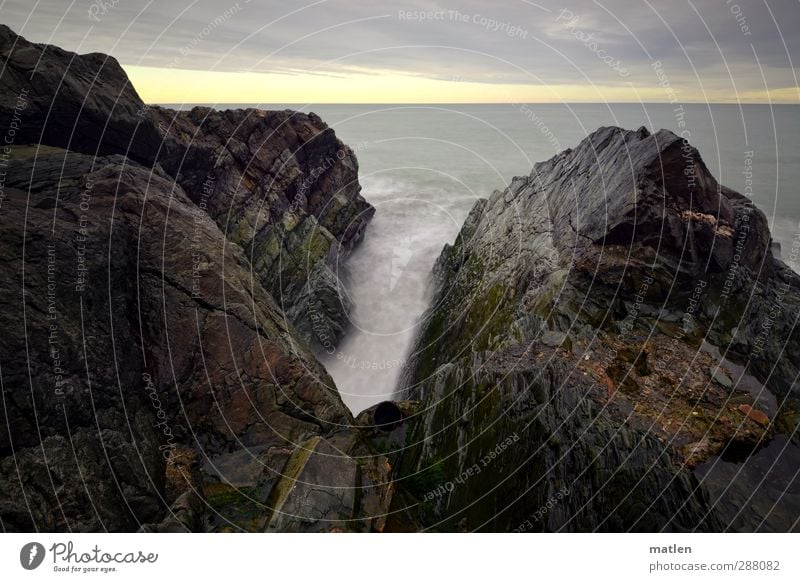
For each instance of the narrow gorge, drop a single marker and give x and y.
(609, 336)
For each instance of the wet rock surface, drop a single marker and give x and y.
(278, 183)
(144, 354)
(146, 276)
(282, 186)
(570, 313)
(611, 345)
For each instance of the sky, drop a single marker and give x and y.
(423, 51)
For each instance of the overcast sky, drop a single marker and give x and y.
(709, 49)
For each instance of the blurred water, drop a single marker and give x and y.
(422, 167)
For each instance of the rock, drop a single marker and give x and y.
(698, 451)
(148, 345)
(280, 184)
(184, 515)
(720, 377)
(787, 420)
(81, 102)
(208, 359)
(754, 414)
(652, 233)
(556, 339)
(321, 489)
(527, 429)
(366, 418)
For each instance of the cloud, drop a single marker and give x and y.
(705, 46)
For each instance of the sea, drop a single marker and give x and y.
(423, 167)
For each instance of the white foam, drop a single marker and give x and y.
(389, 276)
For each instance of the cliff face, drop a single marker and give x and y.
(579, 314)
(163, 273)
(151, 378)
(278, 183)
(284, 188)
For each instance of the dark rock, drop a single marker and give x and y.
(556, 339)
(144, 345)
(526, 430)
(721, 378)
(81, 102)
(144, 275)
(321, 489)
(597, 243)
(283, 187)
(278, 183)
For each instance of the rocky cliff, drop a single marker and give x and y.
(611, 345)
(600, 328)
(151, 377)
(284, 188)
(278, 183)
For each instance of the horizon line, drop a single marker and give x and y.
(733, 103)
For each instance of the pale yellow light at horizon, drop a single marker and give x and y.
(167, 85)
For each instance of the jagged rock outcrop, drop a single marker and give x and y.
(603, 332)
(278, 183)
(150, 378)
(284, 188)
(148, 359)
(578, 314)
(81, 102)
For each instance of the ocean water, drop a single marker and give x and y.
(422, 167)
